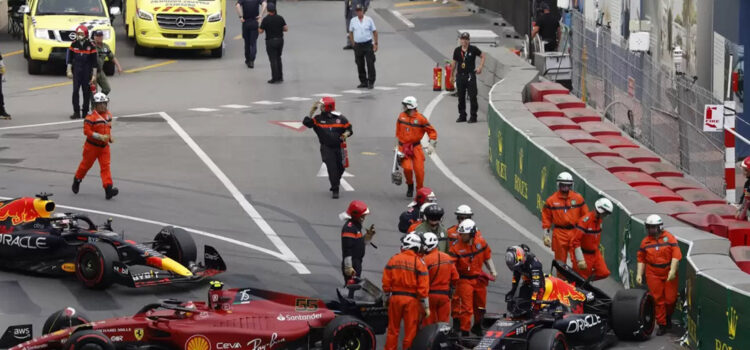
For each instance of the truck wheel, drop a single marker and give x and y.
(218, 52)
(548, 339)
(140, 50)
(632, 314)
(94, 264)
(33, 66)
(431, 337)
(176, 244)
(61, 319)
(348, 333)
(109, 68)
(88, 339)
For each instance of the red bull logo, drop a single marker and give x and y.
(565, 293)
(23, 210)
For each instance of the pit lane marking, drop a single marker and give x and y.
(65, 83)
(201, 109)
(17, 52)
(135, 70)
(478, 197)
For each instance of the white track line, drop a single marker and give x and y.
(201, 109)
(325, 94)
(297, 99)
(159, 223)
(235, 106)
(402, 18)
(385, 88)
(478, 197)
(356, 92)
(345, 184)
(410, 84)
(287, 254)
(80, 121)
(266, 102)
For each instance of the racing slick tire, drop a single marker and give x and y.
(94, 265)
(88, 339)
(548, 339)
(176, 244)
(61, 319)
(348, 333)
(431, 337)
(632, 314)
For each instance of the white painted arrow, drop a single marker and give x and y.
(323, 172)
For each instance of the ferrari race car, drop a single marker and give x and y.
(245, 318)
(568, 317)
(32, 239)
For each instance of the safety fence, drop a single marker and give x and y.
(667, 109)
(526, 156)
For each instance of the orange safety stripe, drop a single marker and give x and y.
(351, 235)
(180, 9)
(204, 10)
(331, 125)
(157, 8)
(193, 9)
(82, 51)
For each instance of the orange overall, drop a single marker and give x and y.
(409, 132)
(564, 212)
(588, 235)
(443, 276)
(469, 260)
(657, 254)
(405, 277)
(95, 149)
(454, 236)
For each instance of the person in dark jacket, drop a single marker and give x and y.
(332, 129)
(528, 270)
(3, 113)
(353, 242)
(82, 66)
(274, 26)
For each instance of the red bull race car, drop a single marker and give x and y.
(33, 239)
(231, 319)
(567, 317)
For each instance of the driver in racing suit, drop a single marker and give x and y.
(527, 268)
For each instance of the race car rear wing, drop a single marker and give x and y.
(15, 335)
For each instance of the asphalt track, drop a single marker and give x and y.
(202, 143)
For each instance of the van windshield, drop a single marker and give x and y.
(70, 7)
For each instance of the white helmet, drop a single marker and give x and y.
(654, 220)
(565, 178)
(100, 97)
(467, 227)
(430, 241)
(411, 241)
(409, 102)
(603, 205)
(464, 210)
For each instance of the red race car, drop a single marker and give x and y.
(232, 319)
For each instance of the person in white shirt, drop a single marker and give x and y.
(364, 37)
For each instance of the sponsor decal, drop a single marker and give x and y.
(151, 274)
(198, 342)
(306, 305)
(582, 324)
(22, 333)
(38, 346)
(116, 338)
(68, 267)
(228, 345)
(121, 270)
(138, 333)
(209, 256)
(202, 315)
(257, 343)
(25, 242)
(504, 323)
(244, 295)
(732, 321)
(292, 317)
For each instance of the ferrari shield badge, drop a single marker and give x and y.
(138, 333)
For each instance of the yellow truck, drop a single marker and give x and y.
(176, 24)
(50, 27)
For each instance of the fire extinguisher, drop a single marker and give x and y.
(449, 86)
(92, 86)
(344, 154)
(437, 78)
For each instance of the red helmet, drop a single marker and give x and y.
(746, 163)
(424, 194)
(84, 29)
(357, 209)
(329, 104)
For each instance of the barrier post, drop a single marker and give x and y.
(729, 154)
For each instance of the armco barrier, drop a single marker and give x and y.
(526, 157)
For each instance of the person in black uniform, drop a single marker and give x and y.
(527, 267)
(3, 113)
(82, 63)
(274, 26)
(547, 26)
(250, 12)
(349, 6)
(464, 61)
(332, 129)
(353, 242)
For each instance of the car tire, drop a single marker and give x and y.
(94, 265)
(347, 332)
(139, 50)
(109, 68)
(431, 337)
(548, 339)
(176, 244)
(61, 319)
(632, 314)
(34, 67)
(218, 52)
(88, 339)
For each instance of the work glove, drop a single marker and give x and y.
(582, 264)
(69, 72)
(547, 238)
(431, 147)
(349, 271)
(639, 279)
(672, 274)
(427, 312)
(369, 233)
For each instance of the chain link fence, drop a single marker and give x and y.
(666, 109)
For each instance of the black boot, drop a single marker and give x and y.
(456, 326)
(76, 115)
(662, 330)
(410, 190)
(477, 329)
(461, 119)
(669, 322)
(76, 185)
(473, 119)
(3, 113)
(335, 194)
(110, 191)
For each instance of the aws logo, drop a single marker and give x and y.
(198, 342)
